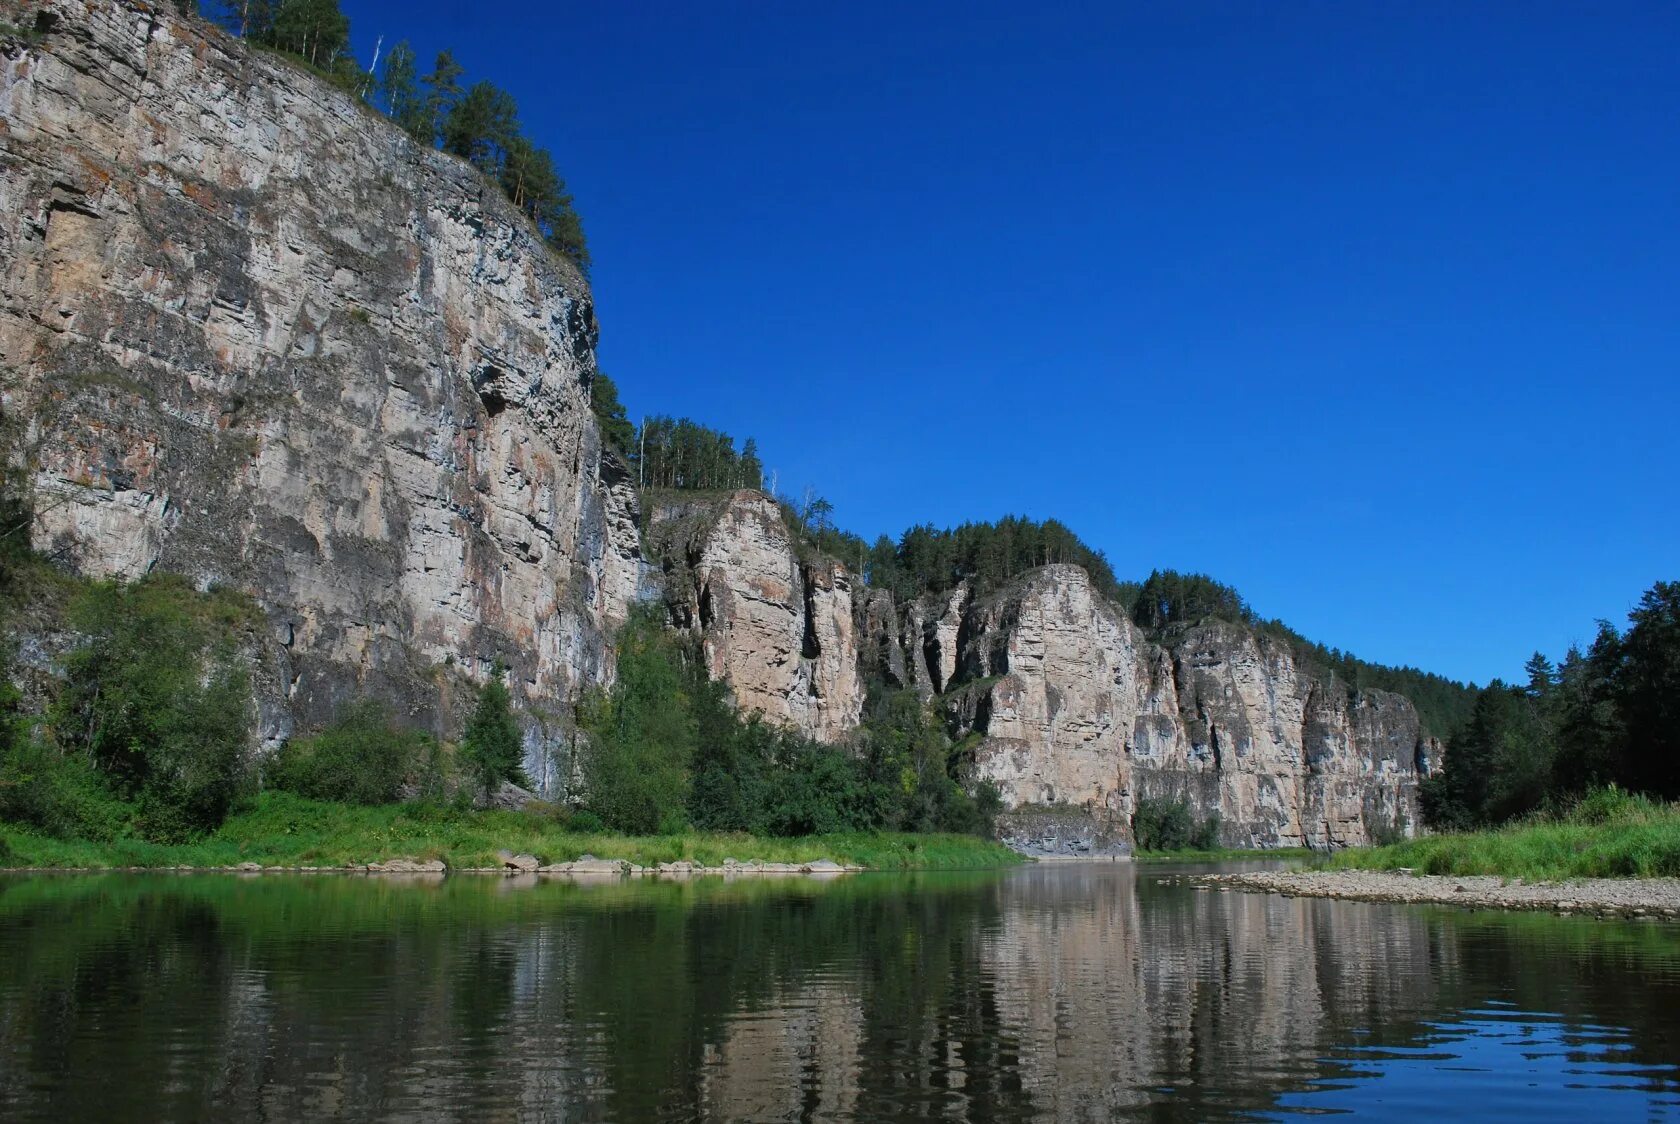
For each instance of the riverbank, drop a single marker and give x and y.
(1648, 898)
(1608, 834)
(284, 832)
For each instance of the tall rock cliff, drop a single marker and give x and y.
(1076, 706)
(778, 629)
(1067, 701)
(266, 340)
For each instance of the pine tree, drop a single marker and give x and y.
(491, 745)
(400, 88)
(443, 90)
(481, 127)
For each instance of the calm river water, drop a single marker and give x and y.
(1047, 993)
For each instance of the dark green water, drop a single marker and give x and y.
(1057, 993)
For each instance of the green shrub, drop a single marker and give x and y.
(1161, 825)
(61, 796)
(362, 758)
(158, 700)
(1167, 825)
(1206, 835)
(585, 822)
(641, 739)
(1612, 805)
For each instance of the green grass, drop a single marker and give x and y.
(285, 830)
(1609, 834)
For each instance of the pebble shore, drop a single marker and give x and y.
(1643, 898)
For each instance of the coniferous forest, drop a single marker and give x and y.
(477, 121)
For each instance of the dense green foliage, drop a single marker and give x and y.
(642, 736)
(616, 428)
(679, 453)
(158, 700)
(1609, 715)
(362, 758)
(151, 726)
(491, 748)
(1607, 833)
(282, 829)
(927, 559)
(479, 124)
(1168, 825)
(665, 749)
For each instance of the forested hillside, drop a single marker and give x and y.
(1606, 715)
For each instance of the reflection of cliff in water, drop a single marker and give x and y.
(1055, 993)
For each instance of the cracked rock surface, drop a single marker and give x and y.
(268, 341)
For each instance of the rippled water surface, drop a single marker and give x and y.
(1050, 993)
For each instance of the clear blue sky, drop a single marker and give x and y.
(1371, 310)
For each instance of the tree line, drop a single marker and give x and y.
(1606, 715)
(676, 453)
(477, 122)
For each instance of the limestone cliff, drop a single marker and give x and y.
(778, 629)
(1070, 704)
(267, 340)
(1076, 706)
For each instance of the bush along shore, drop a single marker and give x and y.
(283, 831)
(140, 754)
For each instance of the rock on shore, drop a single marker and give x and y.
(1653, 898)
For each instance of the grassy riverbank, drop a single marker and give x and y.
(285, 830)
(1609, 834)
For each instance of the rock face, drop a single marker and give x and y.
(268, 341)
(1077, 707)
(1073, 707)
(780, 631)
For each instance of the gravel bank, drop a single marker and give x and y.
(1651, 898)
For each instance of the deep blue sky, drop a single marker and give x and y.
(1371, 310)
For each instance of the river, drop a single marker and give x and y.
(1042, 993)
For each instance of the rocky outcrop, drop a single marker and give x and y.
(779, 630)
(1072, 707)
(1077, 707)
(268, 341)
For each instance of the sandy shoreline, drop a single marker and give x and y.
(1644, 898)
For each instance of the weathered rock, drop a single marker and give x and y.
(269, 341)
(1078, 708)
(779, 631)
(523, 863)
(591, 866)
(408, 866)
(1066, 832)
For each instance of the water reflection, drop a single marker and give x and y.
(1059, 993)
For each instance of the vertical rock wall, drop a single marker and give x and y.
(267, 340)
(780, 631)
